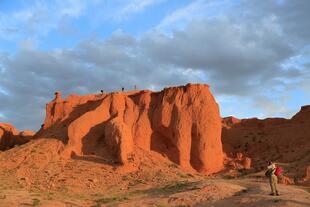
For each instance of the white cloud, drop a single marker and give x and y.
(305, 84)
(272, 107)
(183, 15)
(196, 9)
(27, 44)
(2, 115)
(38, 18)
(139, 5)
(133, 7)
(71, 8)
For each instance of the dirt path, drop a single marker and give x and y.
(257, 194)
(219, 193)
(206, 192)
(222, 193)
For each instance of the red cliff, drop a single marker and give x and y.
(285, 141)
(9, 136)
(182, 123)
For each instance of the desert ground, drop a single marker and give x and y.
(153, 181)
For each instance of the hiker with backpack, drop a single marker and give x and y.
(272, 173)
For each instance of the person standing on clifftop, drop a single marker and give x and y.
(273, 179)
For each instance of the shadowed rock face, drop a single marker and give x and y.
(182, 123)
(9, 136)
(275, 139)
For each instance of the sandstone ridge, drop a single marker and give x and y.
(182, 123)
(285, 141)
(10, 136)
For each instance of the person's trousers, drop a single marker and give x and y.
(273, 180)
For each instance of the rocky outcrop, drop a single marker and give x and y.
(238, 162)
(276, 139)
(119, 140)
(181, 123)
(9, 136)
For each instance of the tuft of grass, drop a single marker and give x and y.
(159, 205)
(172, 188)
(36, 202)
(173, 165)
(112, 199)
(228, 177)
(49, 196)
(182, 175)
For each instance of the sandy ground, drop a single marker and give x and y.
(35, 175)
(195, 192)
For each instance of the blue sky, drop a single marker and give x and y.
(254, 54)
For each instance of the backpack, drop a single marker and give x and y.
(268, 172)
(278, 171)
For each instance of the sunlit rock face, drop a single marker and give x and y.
(182, 123)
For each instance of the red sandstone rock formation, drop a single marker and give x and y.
(247, 163)
(181, 123)
(307, 175)
(281, 140)
(9, 136)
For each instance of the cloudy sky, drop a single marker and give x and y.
(255, 54)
